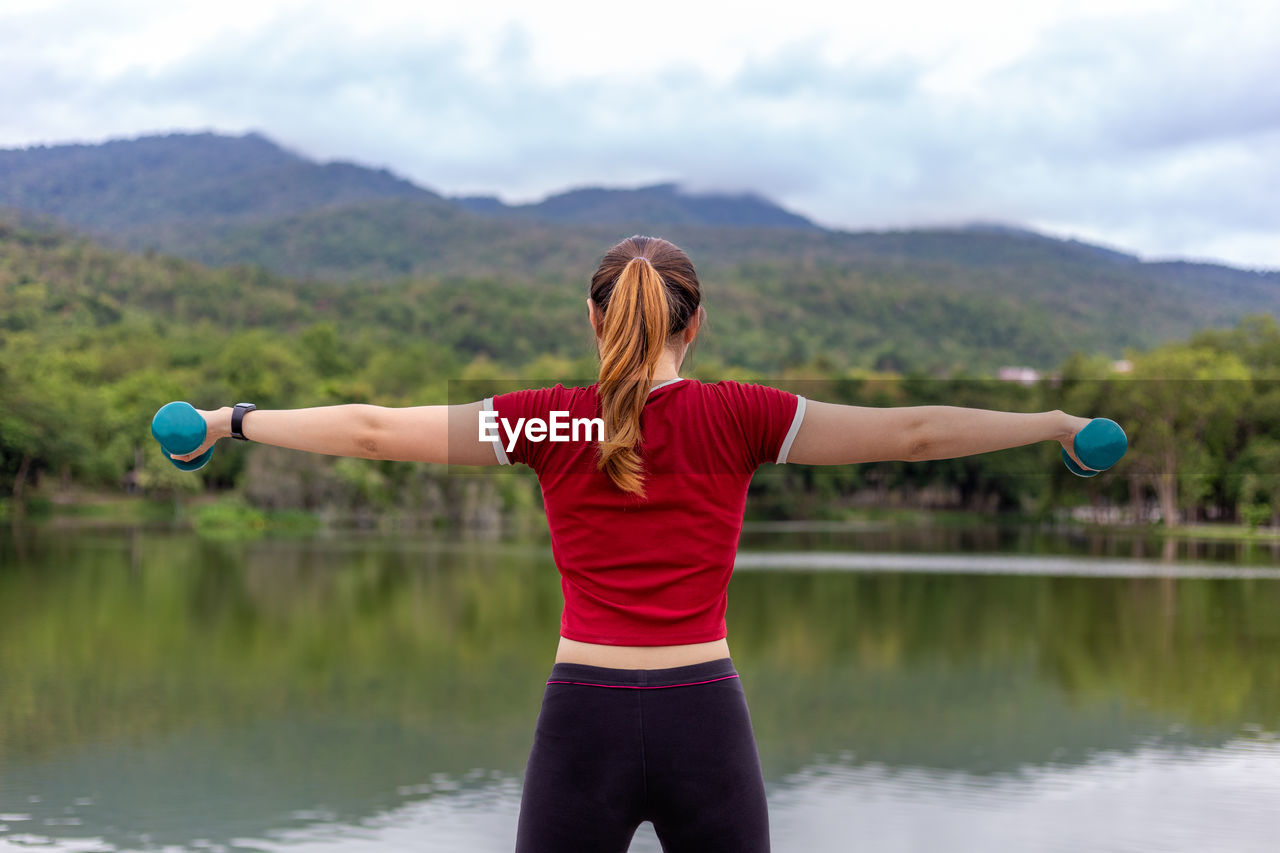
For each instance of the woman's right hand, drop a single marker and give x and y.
(217, 425)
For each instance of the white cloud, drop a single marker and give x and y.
(1146, 127)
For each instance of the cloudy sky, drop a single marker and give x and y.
(1146, 125)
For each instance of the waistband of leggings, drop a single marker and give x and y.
(706, 672)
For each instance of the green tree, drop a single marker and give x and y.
(1179, 406)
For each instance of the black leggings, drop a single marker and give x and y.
(614, 747)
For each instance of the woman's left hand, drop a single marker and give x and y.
(1072, 425)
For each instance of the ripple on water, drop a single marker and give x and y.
(1181, 799)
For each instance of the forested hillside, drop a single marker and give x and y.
(761, 317)
(303, 284)
(780, 291)
(94, 340)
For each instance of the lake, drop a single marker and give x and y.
(930, 688)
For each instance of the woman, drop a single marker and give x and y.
(644, 716)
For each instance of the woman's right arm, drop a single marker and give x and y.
(445, 434)
(835, 434)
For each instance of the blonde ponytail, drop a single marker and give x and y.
(646, 290)
(634, 334)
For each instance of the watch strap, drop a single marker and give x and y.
(237, 419)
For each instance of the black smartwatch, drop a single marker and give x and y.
(237, 419)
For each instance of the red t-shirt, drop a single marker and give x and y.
(648, 571)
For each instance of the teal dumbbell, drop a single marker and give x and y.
(1099, 445)
(181, 429)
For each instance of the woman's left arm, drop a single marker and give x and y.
(445, 434)
(838, 434)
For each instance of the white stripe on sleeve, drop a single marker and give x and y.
(497, 445)
(791, 433)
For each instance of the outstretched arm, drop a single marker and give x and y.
(835, 434)
(446, 434)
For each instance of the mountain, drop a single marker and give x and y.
(781, 290)
(661, 203)
(127, 188)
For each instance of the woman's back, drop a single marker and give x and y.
(650, 570)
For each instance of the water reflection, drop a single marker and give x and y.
(1149, 799)
(159, 690)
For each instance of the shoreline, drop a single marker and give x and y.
(212, 513)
